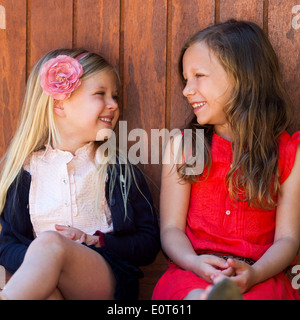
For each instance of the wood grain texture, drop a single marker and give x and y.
(187, 18)
(51, 25)
(152, 274)
(13, 68)
(242, 10)
(97, 26)
(144, 95)
(286, 42)
(144, 65)
(145, 61)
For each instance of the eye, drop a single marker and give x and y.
(101, 93)
(199, 75)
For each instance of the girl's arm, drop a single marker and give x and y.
(174, 204)
(287, 235)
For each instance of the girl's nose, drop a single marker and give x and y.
(112, 104)
(188, 90)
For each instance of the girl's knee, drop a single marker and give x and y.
(49, 240)
(56, 295)
(50, 237)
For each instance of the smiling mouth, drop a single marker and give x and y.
(199, 105)
(106, 120)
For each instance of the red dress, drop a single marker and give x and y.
(215, 223)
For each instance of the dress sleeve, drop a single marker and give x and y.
(287, 153)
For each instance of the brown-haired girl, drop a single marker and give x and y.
(240, 218)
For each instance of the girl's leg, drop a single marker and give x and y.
(54, 262)
(56, 295)
(196, 294)
(222, 289)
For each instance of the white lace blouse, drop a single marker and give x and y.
(63, 191)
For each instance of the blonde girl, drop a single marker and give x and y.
(76, 222)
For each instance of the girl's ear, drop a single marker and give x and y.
(59, 109)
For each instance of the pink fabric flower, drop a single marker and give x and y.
(60, 76)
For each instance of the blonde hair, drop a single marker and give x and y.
(37, 126)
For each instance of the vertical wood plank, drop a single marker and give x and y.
(286, 42)
(145, 61)
(51, 23)
(12, 66)
(145, 24)
(97, 25)
(97, 29)
(188, 17)
(144, 34)
(242, 10)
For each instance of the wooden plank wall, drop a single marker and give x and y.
(142, 38)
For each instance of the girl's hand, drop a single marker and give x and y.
(77, 235)
(244, 274)
(207, 266)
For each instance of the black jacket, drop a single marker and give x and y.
(135, 237)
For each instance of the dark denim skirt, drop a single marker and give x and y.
(127, 276)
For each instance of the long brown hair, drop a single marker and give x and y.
(258, 111)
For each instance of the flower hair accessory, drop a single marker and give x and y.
(60, 76)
